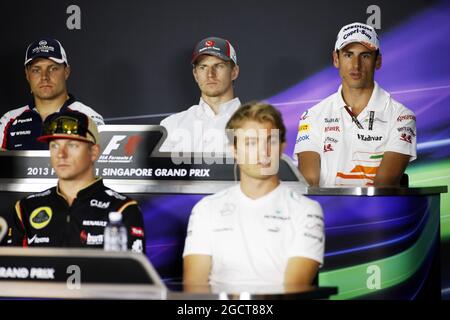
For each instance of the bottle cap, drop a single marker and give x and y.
(115, 216)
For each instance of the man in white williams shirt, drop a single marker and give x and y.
(260, 231)
(359, 135)
(201, 128)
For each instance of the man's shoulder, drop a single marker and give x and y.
(175, 119)
(323, 106)
(115, 196)
(14, 113)
(295, 196)
(39, 197)
(399, 108)
(81, 107)
(213, 200)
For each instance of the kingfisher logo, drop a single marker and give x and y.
(120, 149)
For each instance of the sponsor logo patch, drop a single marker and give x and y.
(94, 239)
(407, 130)
(327, 147)
(366, 137)
(22, 121)
(114, 194)
(37, 240)
(94, 223)
(137, 232)
(41, 217)
(99, 204)
(303, 128)
(20, 133)
(302, 138)
(405, 137)
(406, 117)
(334, 128)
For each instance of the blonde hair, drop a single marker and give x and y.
(256, 111)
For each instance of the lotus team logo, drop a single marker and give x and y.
(41, 217)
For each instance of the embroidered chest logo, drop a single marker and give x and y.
(41, 217)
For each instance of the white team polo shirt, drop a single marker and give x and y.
(350, 156)
(199, 129)
(250, 241)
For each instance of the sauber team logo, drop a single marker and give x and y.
(41, 217)
(209, 43)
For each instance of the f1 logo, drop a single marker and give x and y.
(113, 144)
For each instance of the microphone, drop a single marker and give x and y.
(3, 228)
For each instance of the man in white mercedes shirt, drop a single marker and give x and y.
(359, 135)
(201, 128)
(260, 231)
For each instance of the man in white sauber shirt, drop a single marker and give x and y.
(259, 232)
(201, 128)
(359, 135)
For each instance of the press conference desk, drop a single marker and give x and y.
(178, 291)
(146, 292)
(95, 274)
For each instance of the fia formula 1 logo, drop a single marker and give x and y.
(120, 149)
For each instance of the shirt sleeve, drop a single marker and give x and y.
(309, 240)
(402, 136)
(4, 124)
(133, 220)
(309, 135)
(199, 231)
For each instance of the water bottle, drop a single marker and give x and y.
(115, 237)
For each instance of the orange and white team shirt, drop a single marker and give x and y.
(351, 151)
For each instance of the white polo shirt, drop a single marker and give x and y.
(250, 241)
(350, 156)
(199, 129)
